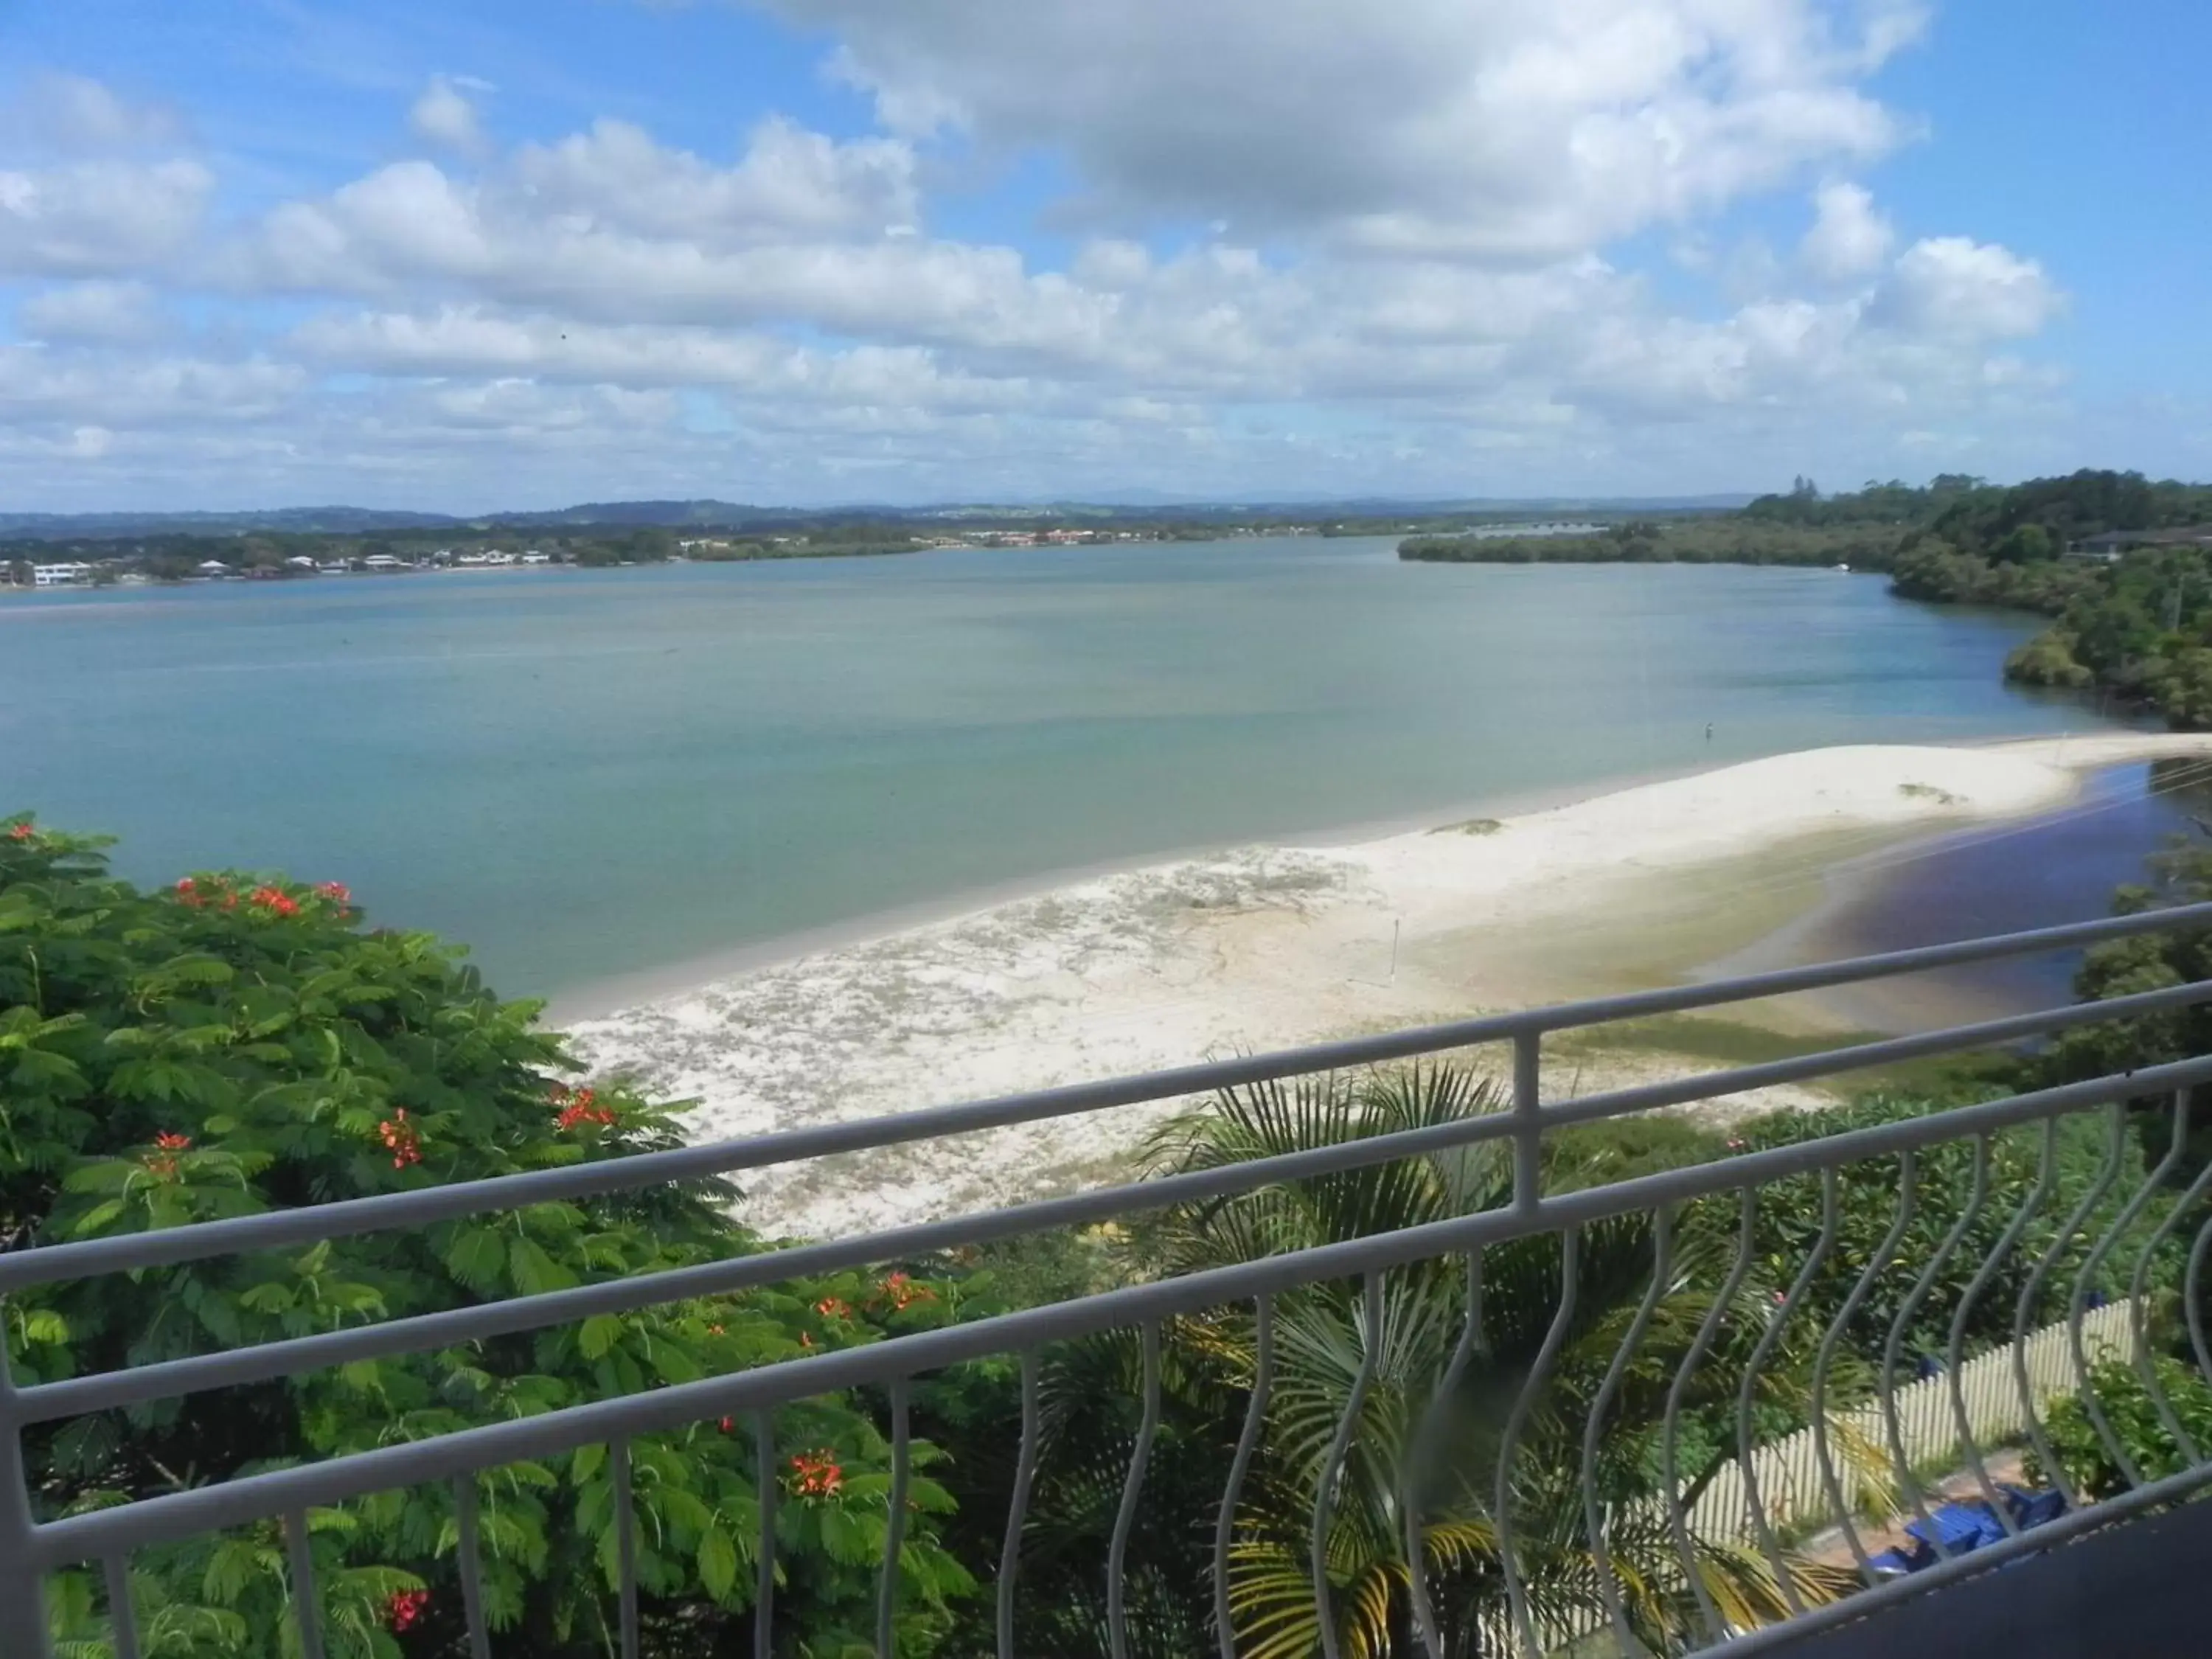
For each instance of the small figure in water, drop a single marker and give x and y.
(1709, 731)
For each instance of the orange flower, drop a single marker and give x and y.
(902, 1292)
(816, 1475)
(580, 1108)
(162, 1161)
(832, 1306)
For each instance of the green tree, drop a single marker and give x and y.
(239, 1042)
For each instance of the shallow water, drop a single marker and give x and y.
(2061, 867)
(589, 774)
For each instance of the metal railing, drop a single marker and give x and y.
(1792, 1561)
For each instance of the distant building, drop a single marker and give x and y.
(60, 576)
(535, 557)
(213, 569)
(300, 565)
(384, 561)
(2107, 547)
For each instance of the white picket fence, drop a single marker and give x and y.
(1788, 1472)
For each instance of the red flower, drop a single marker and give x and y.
(902, 1292)
(580, 1108)
(729, 1423)
(162, 1161)
(402, 1139)
(335, 891)
(21, 832)
(406, 1607)
(831, 1307)
(816, 1475)
(274, 899)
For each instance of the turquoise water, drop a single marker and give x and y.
(590, 774)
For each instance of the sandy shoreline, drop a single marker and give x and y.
(1267, 947)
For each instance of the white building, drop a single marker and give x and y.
(60, 576)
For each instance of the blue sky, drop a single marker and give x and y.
(262, 251)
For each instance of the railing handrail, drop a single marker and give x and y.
(174, 1515)
(387, 1338)
(48, 1264)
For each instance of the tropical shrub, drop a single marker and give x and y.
(241, 1043)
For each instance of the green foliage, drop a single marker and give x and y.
(2078, 1151)
(1732, 539)
(239, 1043)
(2123, 1395)
(1891, 503)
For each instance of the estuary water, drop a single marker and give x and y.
(591, 775)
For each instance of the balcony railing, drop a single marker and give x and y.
(1774, 1533)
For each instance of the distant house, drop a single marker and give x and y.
(60, 576)
(535, 557)
(213, 569)
(2107, 547)
(300, 565)
(386, 562)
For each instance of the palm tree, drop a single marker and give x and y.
(1425, 1432)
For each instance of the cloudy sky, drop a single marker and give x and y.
(524, 252)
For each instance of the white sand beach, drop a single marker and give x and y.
(1264, 947)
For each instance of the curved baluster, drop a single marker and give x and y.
(2031, 1292)
(1339, 1449)
(2138, 1314)
(2082, 1283)
(1608, 1581)
(1417, 1449)
(1677, 1520)
(1018, 1507)
(1255, 1414)
(1117, 1607)
(1892, 1345)
(1954, 1354)
(1772, 1334)
(1517, 1593)
(1907, 1186)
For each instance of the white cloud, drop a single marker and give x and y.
(444, 116)
(81, 218)
(1516, 128)
(96, 310)
(121, 391)
(74, 114)
(1849, 238)
(790, 182)
(1412, 279)
(1956, 286)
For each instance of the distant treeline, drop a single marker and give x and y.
(2131, 623)
(1734, 538)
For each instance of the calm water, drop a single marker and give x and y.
(587, 775)
(2059, 868)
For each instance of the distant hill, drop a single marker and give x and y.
(708, 513)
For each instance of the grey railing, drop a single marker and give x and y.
(1252, 1294)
